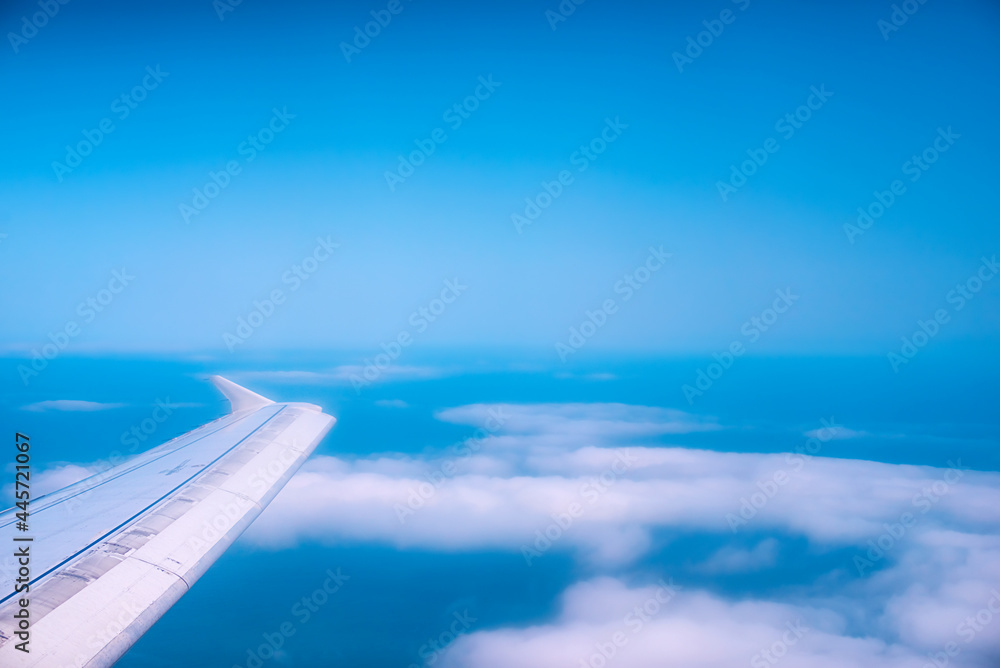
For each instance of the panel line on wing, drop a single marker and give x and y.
(166, 453)
(141, 512)
(154, 449)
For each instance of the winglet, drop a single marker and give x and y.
(240, 398)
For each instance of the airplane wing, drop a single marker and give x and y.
(110, 554)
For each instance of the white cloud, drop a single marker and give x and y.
(282, 376)
(392, 372)
(583, 480)
(70, 405)
(524, 478)
(598, 376)
(392, 403)
(55, 478)
(340, 375)
(835, 433)
(501, 496)
(731, 559)
(603, 622)
(572, 421)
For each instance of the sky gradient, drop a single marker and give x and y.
(323, 173)
(722, 273)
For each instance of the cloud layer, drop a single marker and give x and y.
(920, 582)
(577, 479)
(70, 405)
(604, 622)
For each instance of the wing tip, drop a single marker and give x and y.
(240, 398)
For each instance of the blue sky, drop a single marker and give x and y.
(324, 174)
(238, 219)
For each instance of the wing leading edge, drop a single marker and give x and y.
(112, 553)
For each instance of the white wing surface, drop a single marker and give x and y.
(110, 554)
